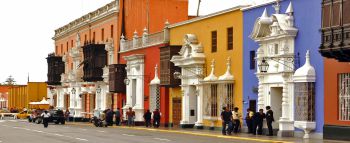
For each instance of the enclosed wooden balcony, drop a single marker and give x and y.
(95, 58)
(167, 68)
(55, 69)
(117, 74)
(335, 30)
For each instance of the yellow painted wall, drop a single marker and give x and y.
(202, 29)
(20, 96)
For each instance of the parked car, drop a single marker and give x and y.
(57, 116)
(35, 117)
(24, 114)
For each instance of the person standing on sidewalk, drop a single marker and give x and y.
(249, 120)
(269, 120)
(130, 115)
(258, 120)
(236, 116)
(226, 117)
(66, 115)
(156, 118)
(46, 115)
(147, 116)
(117, 117)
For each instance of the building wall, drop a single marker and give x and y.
(307, 15)
(151, 58)
(20, 96)
(105, 24)
(202, 29)
(331, 101)
(159, 12)
(4, 89)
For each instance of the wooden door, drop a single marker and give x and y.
(176, 111)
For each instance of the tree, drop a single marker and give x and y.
(10, 81)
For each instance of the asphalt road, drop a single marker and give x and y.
(20, 131)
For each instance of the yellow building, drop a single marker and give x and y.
(211, 62)
(21, 95)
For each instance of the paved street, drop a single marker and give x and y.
(15, 131)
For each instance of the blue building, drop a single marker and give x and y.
(277, 36)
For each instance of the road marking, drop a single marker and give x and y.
(59, 135)
(81, 139)
(84, 129)
(128, 135)
(162, 139)
(100, 131)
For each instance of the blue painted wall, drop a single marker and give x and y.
(307, 15)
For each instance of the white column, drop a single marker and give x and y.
(261, 93)
(199, 123)
(185, 106)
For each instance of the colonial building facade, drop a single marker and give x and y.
(210, 68)
(277, 36)
(335, 47)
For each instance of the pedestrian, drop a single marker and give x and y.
(226, 117)
(109, 117)
(46, 115)
(117, 117)
(156, 118)
(66, 115)
(269, 120)
(147, 117)
(236, 116)
(130, 115)
(249, 120)
(258, 120)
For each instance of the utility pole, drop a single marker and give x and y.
(199, 3)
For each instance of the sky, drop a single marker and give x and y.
(27, 26)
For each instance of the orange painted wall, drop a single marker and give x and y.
(331, 107)
(159, 11)
(89, 31)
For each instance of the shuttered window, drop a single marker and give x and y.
(213, 41)
(229, 38)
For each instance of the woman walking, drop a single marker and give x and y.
(46, 115)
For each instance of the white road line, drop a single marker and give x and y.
(84, 129)
(81, 139)
(59, 135)
(162, 139)
(128, 135)
(100, 131)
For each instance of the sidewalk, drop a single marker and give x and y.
(217, 134)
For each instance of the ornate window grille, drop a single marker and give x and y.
(344, 96)
(214, 102)
(217, 96)
(304, 101)
(154, 97)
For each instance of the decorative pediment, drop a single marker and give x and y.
(275, 25)
(191, 52)
(211, 76)
(155, 80)
(227, 76)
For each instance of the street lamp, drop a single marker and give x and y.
(263, 66)
(126, 81)
(177, 75)
(73, 90)
(98, 90)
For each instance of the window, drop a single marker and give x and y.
(344, 96)
(62, 49)
(213, 41)
(214, 102)
(67, 47)
(229, 38)
(154, 97)
(71, 66)
(304, 101)
(85, 38)
(229, 96)
(276, 49)
(112, 29)
(103, 34)
(93, 37)
(56, 50)
(252, 60)
(71, 43)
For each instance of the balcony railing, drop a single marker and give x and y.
(146, 40)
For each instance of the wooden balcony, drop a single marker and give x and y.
(117, 74)
(55, 69)
(167, 68)
(95, 59)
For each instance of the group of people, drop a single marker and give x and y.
(255, 121)
(108, 114)
(231, 121)
(156, 118)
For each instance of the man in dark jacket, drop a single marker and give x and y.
(226, 117)
(249, 120)
(258, 120)
(109, 117)
(117, 117)
(156, 118)
(147, 117)
(269, 120)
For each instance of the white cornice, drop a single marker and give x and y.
(207, 16)
(105, 11)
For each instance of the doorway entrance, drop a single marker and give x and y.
(276, 104)
(176, 111)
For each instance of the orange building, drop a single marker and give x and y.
(82, 68)
(4, 89)
(20, 95)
